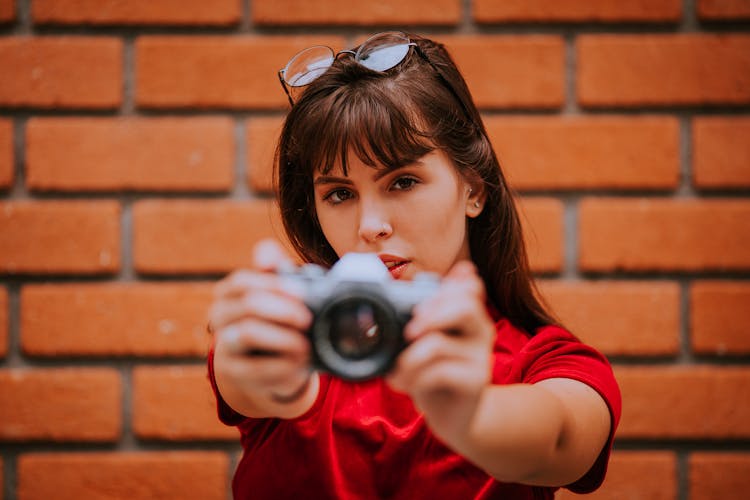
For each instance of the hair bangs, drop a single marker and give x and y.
(383, 130)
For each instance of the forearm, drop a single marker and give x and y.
(527, 434)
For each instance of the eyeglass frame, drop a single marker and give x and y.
(409, 43)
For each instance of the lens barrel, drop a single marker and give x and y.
(356, 334)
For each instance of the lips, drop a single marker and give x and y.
(396, 265)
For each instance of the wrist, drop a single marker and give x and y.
(295, 395)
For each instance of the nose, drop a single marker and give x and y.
(373, 224)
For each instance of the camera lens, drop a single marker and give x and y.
(356, 334)
(355, 330)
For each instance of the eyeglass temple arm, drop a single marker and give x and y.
(283, 86)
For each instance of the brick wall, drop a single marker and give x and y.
(135, 146)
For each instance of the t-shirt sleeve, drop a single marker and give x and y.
(556, 353)
(226, 414)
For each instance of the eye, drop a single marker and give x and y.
(338, 196)
(404, 183)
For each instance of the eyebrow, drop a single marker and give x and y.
(380, 173)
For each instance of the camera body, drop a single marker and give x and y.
(359, 313)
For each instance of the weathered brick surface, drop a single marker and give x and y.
(136, 157)
(645, 475)
(132, 475)
(114, 12)
(356, 12)
(61, 72)
(59, 237)
(88, 154)
(6, 154)
(175, 403)
(60, 404)
(663, 70)
(235, 72)
(684, 402)
(192, 236)
(587, 152)
(7, 11)
(492, 11)
(542, 221)
(720, 317)
(718, 475)
(149, 319)
(721, 152)
(511, 71)
(653, 234)
(726, 10)
(620, 318)
(262, 134)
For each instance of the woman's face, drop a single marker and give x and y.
(413, 217)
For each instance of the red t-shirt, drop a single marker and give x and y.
(363, 440)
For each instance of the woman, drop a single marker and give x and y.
(384, 152)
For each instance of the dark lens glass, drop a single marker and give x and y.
(355, 329)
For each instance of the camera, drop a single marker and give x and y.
(359, 313)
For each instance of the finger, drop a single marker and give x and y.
(455, 310)
(240, 282)
(259, 339)
(433, 347)
(262, 305)
(269, 256)
(280, 373)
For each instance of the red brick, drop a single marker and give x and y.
(60, 404)
(587, 152)
(620, 318)
(684, 402)
(504, 71)
(114, 12)
(176, 403)
(723, 9)
(663, 70)
(261, 138)
(4, 315)
(355, 12)
(645, 475)
(720, 317)
(132, 475)
(718, 475)
(490, 11)
(542, 222)
(89, 154)
(61, 72)
(651, 234)
(7, 14)
(148, 319)
(721, 152)
(49, 237)
(190, 236)
(216, 71)
(6, 154)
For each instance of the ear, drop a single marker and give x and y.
(475, 196)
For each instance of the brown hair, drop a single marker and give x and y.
(392, 119)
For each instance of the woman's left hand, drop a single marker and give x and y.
(449, 358)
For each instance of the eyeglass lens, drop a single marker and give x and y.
(308, 65)
(379, 53)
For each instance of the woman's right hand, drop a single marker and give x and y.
(261, 355)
